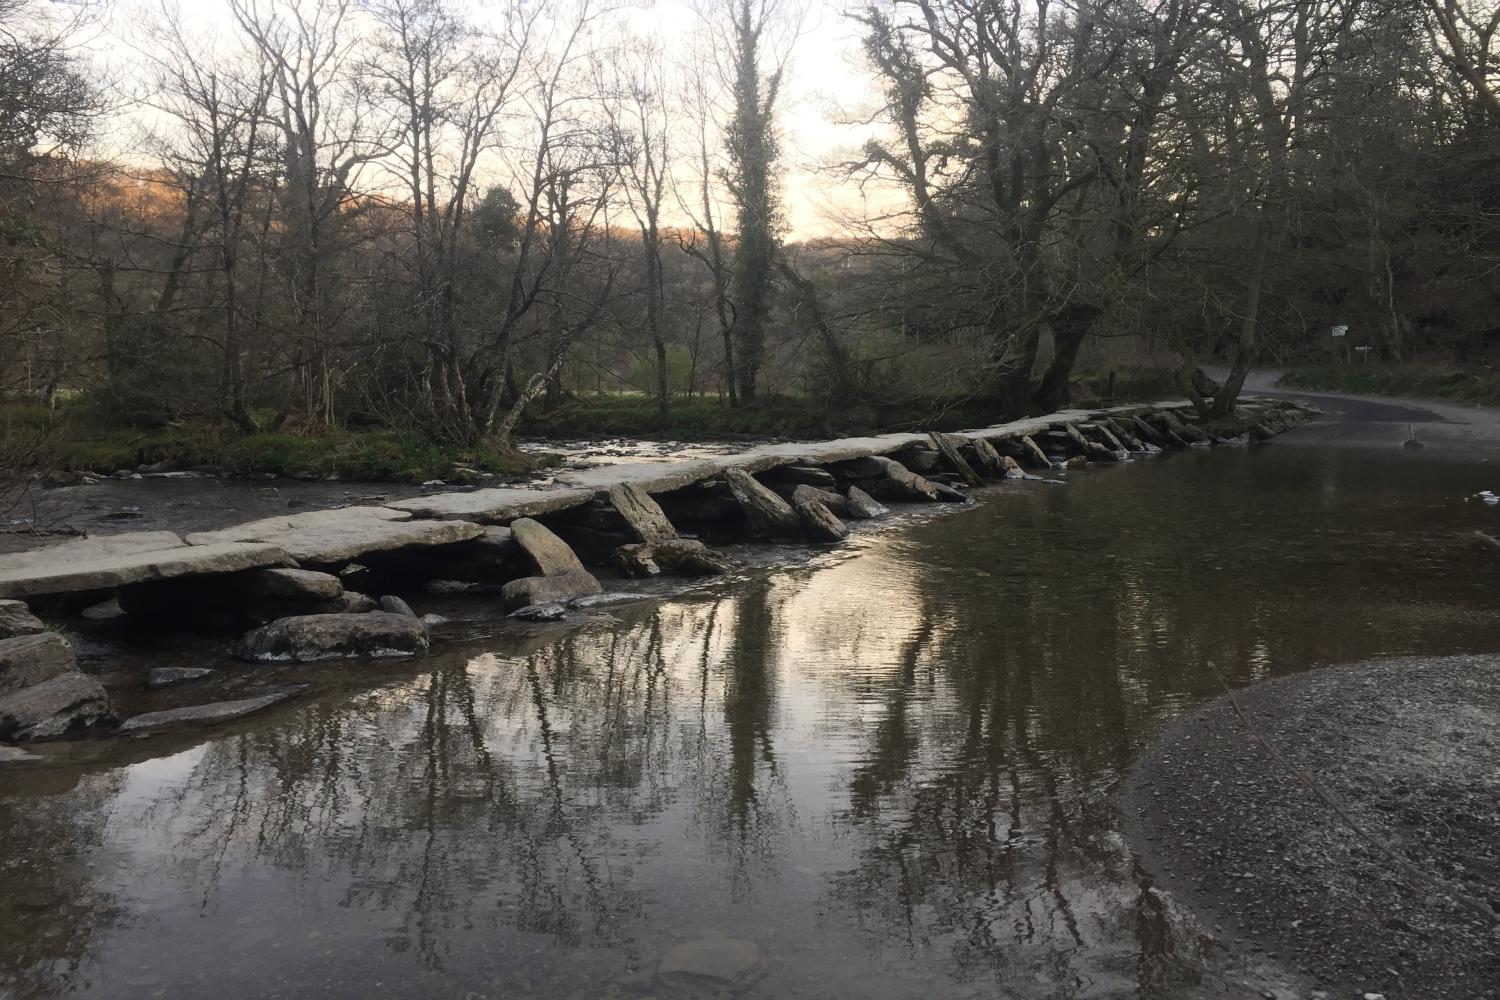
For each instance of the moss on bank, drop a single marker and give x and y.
(73, 442)
(1410, 381)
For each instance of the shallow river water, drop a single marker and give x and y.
(891, 769)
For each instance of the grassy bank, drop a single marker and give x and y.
(75, 437)
(64, 440)
(708, 418)
(1479, 386)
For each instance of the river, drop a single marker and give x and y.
(890, 769)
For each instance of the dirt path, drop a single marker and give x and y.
(1411, 750)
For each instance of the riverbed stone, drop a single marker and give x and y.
(299, 584)
(678, 556)
(808, 494)
(351, 602)
(560, 587)
(642, 514)
(108, 561)
(309, 638)
(820, 524)
(710, 965)
(864, 507)
(635, 559)
(332, 537)
(16, 619)
(895, 481)
(770, 516)
(495, 505)
(549, 612)
(1013, 469)
(212, 714)
(31, 659)
(392, 604)
(164, 677)
(55, 707)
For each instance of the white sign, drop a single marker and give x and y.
(1340, 331)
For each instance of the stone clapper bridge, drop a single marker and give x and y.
(296, 585)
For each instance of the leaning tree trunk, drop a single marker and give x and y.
(1244, 352)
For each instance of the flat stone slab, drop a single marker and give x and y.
(497, 505)
(212, 714)
(343, 535)
(653, 477)
(109, 561)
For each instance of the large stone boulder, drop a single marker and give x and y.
(560, 587)
(31, 659)
(820, 524)
(212, 714)
(862, 506)
(642, 514)
(109, 561)
(899, 483)
(16, 619)
(770, 516)
(309, 638)
(62, 704)
(808, 494)
(679, 556)
(551, 555)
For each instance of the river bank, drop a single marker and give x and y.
(1405, 762)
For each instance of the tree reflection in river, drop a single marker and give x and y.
(893, 772)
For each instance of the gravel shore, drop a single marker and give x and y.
(1410, 748)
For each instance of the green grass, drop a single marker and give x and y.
(72, 441)
(1480, 386)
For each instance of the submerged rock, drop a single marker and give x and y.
(547, 589)
(161, 677)
(309, 638)
(104, 611)
(712, 965)
(16, 619)
(863, 506)
(550, 612)
(211, 714)
(770, 516)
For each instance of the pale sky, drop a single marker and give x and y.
(826, 78)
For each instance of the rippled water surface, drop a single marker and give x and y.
(891, 769)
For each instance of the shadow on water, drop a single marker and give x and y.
(893, 772)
